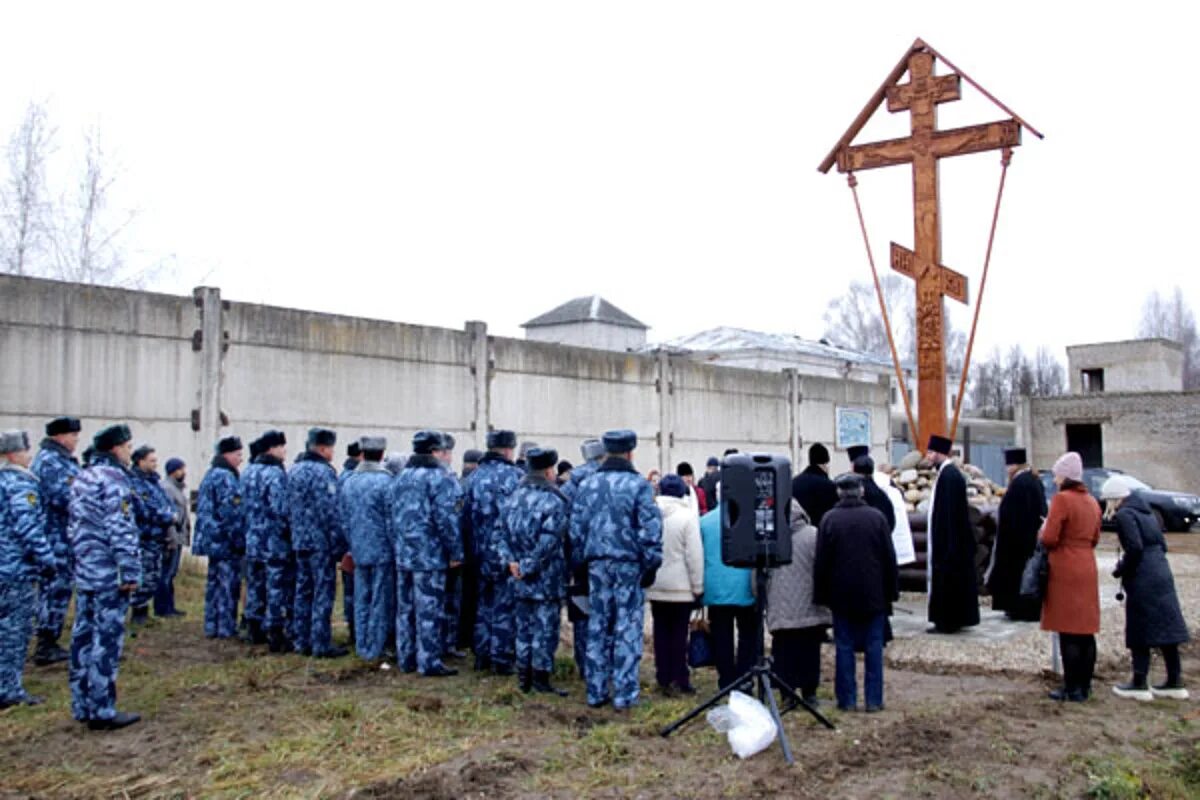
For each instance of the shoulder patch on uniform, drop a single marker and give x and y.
(32, 498)
(125, 507)
(237, 499)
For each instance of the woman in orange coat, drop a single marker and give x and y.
(1072, 604)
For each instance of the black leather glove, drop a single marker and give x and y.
(648, 577)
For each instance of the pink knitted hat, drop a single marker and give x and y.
(1069, 466)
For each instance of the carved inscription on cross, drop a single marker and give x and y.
(923, 149)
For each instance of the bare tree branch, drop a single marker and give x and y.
(26, 226)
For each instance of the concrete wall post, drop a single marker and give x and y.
(481, 371)
(211, 342)
(666, 392)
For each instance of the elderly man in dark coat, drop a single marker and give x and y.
(1022, 511)
(856, 578)
(953, 584)
(1152, 614)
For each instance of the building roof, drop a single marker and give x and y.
(585, 309)
(727, 340)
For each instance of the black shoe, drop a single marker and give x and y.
(874, 709)
(525, 680)
(440, 671)
(599, 704)
(542, 685)
(333, 652)
(482, 663)
(687, 688)
(48, 652)
(503, 669)
(121, 720)
(140, 616)
(277, 641)
(255, 634)
(9, 704)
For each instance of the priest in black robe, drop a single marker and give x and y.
(1022, 511)
(953, 583)
(873, 496)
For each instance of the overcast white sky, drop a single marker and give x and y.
(436, 162)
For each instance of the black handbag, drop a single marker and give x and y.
(700, 645)
(1035, 574)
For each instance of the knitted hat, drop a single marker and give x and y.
(818, 454)
(540, 459)
(1069, 467)
(684, 469)
(501, 440)
(713, 461)
(62, 425)
(1115, 488)
(111, 437)
(174, 465)
(672, 485)
(14, 442)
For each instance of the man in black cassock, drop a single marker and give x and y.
(1021, 513)
(875, 497)
(812, 488)
(952, 582)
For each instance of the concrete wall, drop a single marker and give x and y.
(1140, 365)
(1152, 436)
(592, 334)
(184, 371)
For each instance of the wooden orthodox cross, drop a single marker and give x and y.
(924, 148)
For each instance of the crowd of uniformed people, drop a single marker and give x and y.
(431, 562)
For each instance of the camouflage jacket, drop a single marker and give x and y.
(312, 488)
(615, 517)
(23, 544)
(153, 511)
(425, 516)
(56, 469)
(365, 505)
(220, 513)
(103, 532)
(264, 491)
(535, 518)
(488, 489)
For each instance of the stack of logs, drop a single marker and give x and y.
(915, 480)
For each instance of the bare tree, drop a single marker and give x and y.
(1049, 375)
(1169, 317)
(998, 381)
(26, 227)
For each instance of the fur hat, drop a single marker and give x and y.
(14, 441)
(230, 444)
(448, 441)
(256, 448)
(672, 485)
(854, 452)
(425, 442)
(376, 443)
(472, 456)
(353, 450)
(540, 459)
(62, 425)
(619, 441)
(1069, 467)
(940, 444)
(591, 449)
(564, 467)
(501, 440)
(111, 437)
(271, 438)
(318, 437)
(818, 454)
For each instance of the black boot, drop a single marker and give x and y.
(525, 680)
(48, 652)
(482, 662)
(256, 633)
(277, 642)
(542, 685)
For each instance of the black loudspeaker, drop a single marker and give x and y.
(756, 499)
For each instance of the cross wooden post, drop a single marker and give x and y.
(924, 148)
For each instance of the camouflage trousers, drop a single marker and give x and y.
(374, 608)
(495, 631)
(453, 609)
(538, 623)
(579, 629)
(152, 555)
(316, 588)
(55, 596)
(281, 592)
(220, 598)
(96, 642)
(420, 601)
(615, 630)
(17, 608)
(256, 590)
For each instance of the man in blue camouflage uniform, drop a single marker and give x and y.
(488, 489)
(468, 577)
(56, 468)
(536, 521)
(617, 528)
(264, 513)
(454, 577)
(108, 568)
(365, 505)
(220, 521)
(154, 513)
(354, 457)
(318, 542)
(425, 500)
(22, 546)
(592, 451)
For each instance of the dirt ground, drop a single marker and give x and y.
(226, 720)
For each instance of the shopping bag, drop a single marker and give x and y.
(746, 723)
(1035, 574)
(699, 645)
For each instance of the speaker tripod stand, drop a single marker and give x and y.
(760, 680)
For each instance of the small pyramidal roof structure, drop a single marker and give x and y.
(585, 309)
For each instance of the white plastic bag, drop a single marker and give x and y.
(746, 723)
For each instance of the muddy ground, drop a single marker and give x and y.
(227, 720)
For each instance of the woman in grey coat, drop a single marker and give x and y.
(797, 626)
(1152, 614)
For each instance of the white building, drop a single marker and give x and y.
(588, 322)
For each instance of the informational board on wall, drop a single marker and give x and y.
(853, 427)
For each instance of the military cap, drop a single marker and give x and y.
(354, 449)
(540, 459)
(395, 462)
(940, 444)
(142, 452)
(318, 437)
(1015, 456)
(425, 442)
(619, 441)
(228, 444)
(448, 441)
(591, 449)
(271, 438)
(472, 457)
(62, 425)
(854, 452)
(377, 443)
(500, 440)
(14, 441)
(111, 437)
